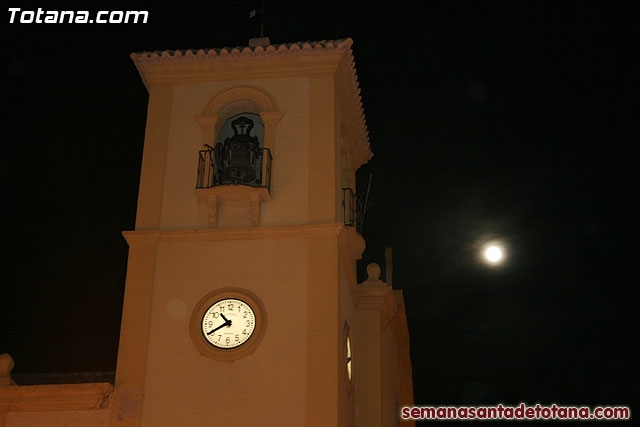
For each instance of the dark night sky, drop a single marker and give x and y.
(486, 120)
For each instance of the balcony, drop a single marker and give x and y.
(225, 166)
(233, 173)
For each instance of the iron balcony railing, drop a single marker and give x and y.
(352, 210)
(221, 166)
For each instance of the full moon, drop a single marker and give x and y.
(493, 254)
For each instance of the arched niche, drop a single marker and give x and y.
(221, 107)
(238, 100)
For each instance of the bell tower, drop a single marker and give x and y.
(242, 305)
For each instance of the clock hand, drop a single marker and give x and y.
(227, 322)
(219, 327)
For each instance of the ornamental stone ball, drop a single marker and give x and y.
(373, 272)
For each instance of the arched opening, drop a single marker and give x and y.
(238, 136)
(238, 155)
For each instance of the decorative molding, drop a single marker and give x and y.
(372, 298)
(263, 99)
(353, 242)
(141, 235)
(208, 123)
(250, 233)
(154, 75)
(354, 132)
(232, 53)
(213, 196)
(56, 397)
(270, 120)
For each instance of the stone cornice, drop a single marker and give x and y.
(234, 69)
(142, 235)
(56, 397)
(194, 65)
(251, 233)
(227, 53)
(357, 134)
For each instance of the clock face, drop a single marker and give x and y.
(228, 323)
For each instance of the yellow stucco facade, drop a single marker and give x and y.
(286, 245)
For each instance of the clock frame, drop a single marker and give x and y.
(246, 348)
